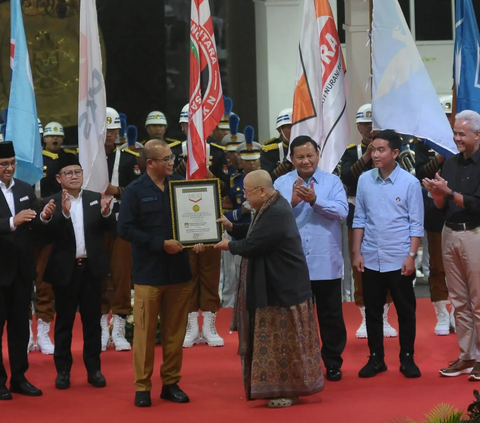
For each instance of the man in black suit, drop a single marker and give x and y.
(18, 206)
(77, 220)
(161, 274)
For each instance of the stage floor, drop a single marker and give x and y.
(212, 379)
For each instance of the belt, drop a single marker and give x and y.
(462, 226)
(81, 261)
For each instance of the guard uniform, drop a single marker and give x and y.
(274, 158)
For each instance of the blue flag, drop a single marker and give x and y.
(22, 123)
(403, 96)
(466, 66)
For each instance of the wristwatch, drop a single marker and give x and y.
(451, 195)
(413, 255)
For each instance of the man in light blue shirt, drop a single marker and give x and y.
(319, 202)
(387, 230)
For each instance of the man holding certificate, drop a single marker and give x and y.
(161, 274)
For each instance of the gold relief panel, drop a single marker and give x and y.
(53, 47)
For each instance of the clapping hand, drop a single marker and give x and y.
(307, 194)
(24, 216)
(48, 210)
(295, 197)
(66, 203)
(438, 187)
(105, 204)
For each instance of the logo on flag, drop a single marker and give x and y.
(400, 79)
(466, 58)
(206, 97)
(319, 105)
(22, 123)
(92, 104)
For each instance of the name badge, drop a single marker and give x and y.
(24, 198)
(93, 203)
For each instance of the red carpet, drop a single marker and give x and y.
(212, 379)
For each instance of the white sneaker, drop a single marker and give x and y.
(388, 330)
(44, 344)
(442, 327)
(118, 334)
(192, 336)
(105, 332)
(362, 330)
(209, 331)
(31, 345)
(453, 326)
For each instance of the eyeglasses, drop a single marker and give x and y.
(69, 173)
(4, 165)
(249, 192)
(167, 159)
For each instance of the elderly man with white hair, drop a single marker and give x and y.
(457, 192)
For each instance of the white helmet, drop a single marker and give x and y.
(184, 114)
(284, 117)
(113, 119)
(40, 127)
(156, 118)
(53, 128)
(446, 102)
(364, 114)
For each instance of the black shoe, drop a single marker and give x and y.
(408, 366)
(96, 379)
(62, 380)
(375, 365)
(5, 393)
(142, 399)
(25, 388)
(174, 393)
(334, 373)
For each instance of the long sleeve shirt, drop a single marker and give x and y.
(319, 224)
(391, 212)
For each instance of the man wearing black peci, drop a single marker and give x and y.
(18, 206)
(77, 220)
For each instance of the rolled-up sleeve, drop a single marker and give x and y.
(416, 209)
(360, 217)
(335, 207)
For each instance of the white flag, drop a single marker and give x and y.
(403, 96)
(320, 99)
(92, 104)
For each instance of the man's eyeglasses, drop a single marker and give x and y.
(4, 165)
(249, 192)
(69, 173)
(167, 159)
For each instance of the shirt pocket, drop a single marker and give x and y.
(151, 214)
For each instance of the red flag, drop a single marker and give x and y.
(206, 97)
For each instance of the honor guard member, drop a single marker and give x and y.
(156, 126)
(123, 168)
(249, 152)
(231, 141)
(427, 164)
(53, 137)
(356, 160)
(275, 151)
(206, 265)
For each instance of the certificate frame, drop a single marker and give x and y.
(187, 226)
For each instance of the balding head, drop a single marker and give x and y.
(151, 148)
(258, 188)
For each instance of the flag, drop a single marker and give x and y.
(467, 58)
(206, 98)
(92, 103)
(320, 104)
(403, 96)
(22, 123)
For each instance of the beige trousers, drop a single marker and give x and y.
(172, 301)
(462, 267)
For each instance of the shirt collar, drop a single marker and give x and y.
(3, 186)
(317, 175)
(391, 178)
(78, 198)
(475, 157)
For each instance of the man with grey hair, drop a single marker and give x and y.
(457, 192)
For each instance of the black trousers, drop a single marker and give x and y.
(14, 307)
(375, 287)
(84, 292)
(327, 295)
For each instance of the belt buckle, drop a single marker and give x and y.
(80, 261)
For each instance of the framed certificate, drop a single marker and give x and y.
(196, 206)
